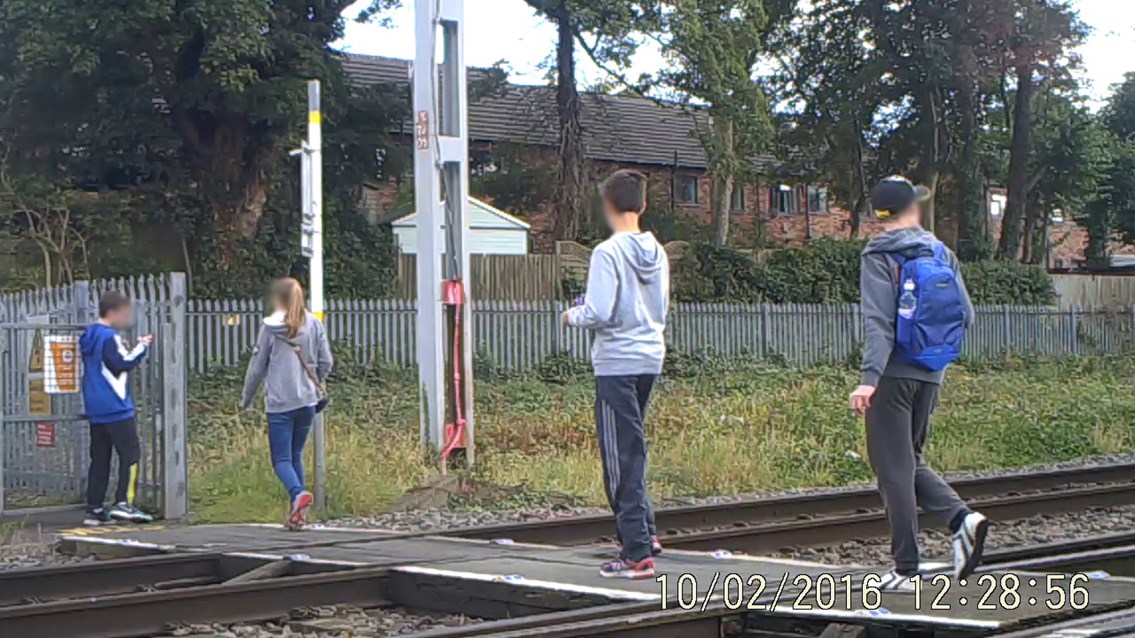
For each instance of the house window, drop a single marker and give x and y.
(686, 189)
(481, 162)
(737, 199)
(789, 200)
(997, 206)
(817, 200)
(782, 200)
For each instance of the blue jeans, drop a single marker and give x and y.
(287, 434)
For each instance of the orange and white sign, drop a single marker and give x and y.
(62, 360)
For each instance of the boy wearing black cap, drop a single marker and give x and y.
(915, 313)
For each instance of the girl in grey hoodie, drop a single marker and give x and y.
(292, 359)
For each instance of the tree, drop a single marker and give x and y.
(832, 82)
(35, 213)
(1072, 154)
(192, 102)
(602, 29)
(1112, 212)
(979, 30)
(1038, 52)
(713, 47)
(914, 40)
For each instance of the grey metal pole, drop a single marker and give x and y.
(427, 202)
(175, 479)
(455, 101)
(440, 158)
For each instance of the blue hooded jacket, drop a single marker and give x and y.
(106, 389)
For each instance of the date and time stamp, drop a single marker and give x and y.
(864, 592)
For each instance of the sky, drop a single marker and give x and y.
(508, 30)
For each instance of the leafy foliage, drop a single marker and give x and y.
(189, 108)
(602, 29)
(828, 272)
(1114, 209)
(713, 47)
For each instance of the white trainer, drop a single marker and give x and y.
(969, 543)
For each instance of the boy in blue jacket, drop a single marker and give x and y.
(110, 410)
(628, 296)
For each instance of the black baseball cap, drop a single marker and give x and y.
(895, 194)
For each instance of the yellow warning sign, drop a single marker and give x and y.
(39, 401)
(35, 364)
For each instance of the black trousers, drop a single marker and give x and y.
(121, 438)
(620, 408)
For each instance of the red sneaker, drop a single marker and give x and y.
(300, 503)
(628, 569)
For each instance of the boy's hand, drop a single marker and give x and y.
(147, 340)
(564, 317)
(861, 399)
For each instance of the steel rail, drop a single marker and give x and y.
(868, 524)
(150, 613)
(582, 530)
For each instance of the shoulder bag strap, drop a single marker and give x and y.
(320, 388)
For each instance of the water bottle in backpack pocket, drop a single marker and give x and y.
(931, 321)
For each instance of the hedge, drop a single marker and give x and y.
(827, 271)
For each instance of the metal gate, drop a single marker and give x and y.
(44, 436)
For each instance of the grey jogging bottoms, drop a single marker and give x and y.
(898, 422)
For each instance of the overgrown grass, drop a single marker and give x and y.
(715, 427)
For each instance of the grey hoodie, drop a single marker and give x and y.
(879, 290)
(628, 296)
(275, 364)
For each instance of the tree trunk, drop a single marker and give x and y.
(927, 170)
(723, 181)
(862, 204)
(569, 192)
(807, 215)
(1020, 148)
(928, 177)
(229, 156)
(972, 244)
(721, 197)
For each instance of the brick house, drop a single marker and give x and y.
(660, 140)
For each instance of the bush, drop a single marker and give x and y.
(827, 271)
(1008, 282)
(712, 273)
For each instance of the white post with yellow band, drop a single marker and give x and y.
(311, 244)
(315, 195)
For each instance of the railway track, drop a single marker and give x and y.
(642, 620)
(132, 597)
(678, 522)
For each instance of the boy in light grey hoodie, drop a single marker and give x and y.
(628, 296)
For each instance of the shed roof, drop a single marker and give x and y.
(403, 217)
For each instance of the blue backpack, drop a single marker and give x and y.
(931, 321)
